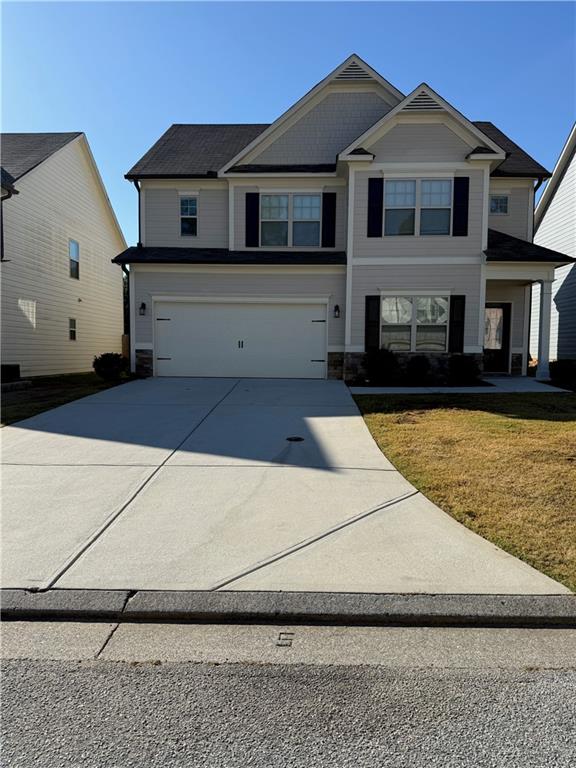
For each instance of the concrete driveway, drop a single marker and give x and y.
(245, 484)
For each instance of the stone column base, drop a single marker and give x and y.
(144, 363)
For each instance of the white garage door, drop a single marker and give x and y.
(240, 339)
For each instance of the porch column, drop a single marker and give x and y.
(543, 370)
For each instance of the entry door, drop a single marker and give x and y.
(497, 338)
(269, 340)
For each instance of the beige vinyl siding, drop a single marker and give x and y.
(294, 185)
(162, 217)
(557, 230)
(423, 142)
(325, 130)
(431, 245)
(504, 290)
(60, 200)
(459, 279)
(518, 221)
(283, 282)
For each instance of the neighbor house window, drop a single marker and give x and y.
(72, 329)
(415, 323)
(499, 204)
(417, 207)
(189, 216)
(290, 220)
(74, 259)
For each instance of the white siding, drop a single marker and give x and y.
(59, 200)
(162, 217)
(558, 231)
(247, 281)
(325, 130)
(424, 142)
(518, 221)
(460, 279)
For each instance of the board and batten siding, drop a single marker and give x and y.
(285, 282)
(518, 221)
(294, 186)
(60, 199)
(419, 142)
(161, 219)
(458, 279)
(557, 230)
(324, 130)
(431, 245)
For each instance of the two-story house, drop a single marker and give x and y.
(361, 218)
(62, 298)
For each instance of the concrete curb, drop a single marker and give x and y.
(291, 607)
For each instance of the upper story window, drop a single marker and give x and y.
(290, 220)
(74, 259)
(72, 328)
(417, 207)
(415, 323)
(499, 204)
(189, 216)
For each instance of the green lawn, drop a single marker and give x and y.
(503, 465)
(48, 392)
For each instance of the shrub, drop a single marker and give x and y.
(463, 370)
(563, 372)
(110, 366)
(418, 371)
(382, 368)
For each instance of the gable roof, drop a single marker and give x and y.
(21, 152)
(503, 247)
(517, 162)
(557, 175)
(194, 151)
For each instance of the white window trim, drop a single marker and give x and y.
(291, 220)
(413, 324)
(418, 203)
(499, 213)
(191, 195)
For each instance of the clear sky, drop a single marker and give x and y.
(123, 72)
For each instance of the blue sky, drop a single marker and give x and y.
(123, 72)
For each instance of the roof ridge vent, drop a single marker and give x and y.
(353, 72)
(422, 101)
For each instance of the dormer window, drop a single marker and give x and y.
(290, 220)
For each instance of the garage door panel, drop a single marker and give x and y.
(240, 339)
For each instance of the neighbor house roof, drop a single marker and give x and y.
(557, 175)
(518, 162)
(136, 255)
(502, 247)
(21, 152)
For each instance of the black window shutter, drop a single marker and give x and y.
(375, 207)
(456, 327)
(372, 324)
(252, 219)
(328, 219)
(460, 212)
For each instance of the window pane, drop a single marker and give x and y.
(396, 309)
(396, 337)
(400, 194)
(274, 233)
(499, 204)
(188, 206)
(493, 328)
(72, 329)
(306, 207)
(399, 222)
(274, 206)
(435, 221)
(436, 193)
(306, 233)
(75, 269)
(73, 250)
(431, 309)
(431, 338)
(188, 227)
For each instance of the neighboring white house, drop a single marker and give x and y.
(555, 227)
(62, 298)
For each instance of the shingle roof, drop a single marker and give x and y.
(518, 162)
(293, 168)
(21, 152)
(502, 247)
(195, 151)
(137, 255)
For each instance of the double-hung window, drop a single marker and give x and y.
(72, 328)
(417, 207)
(290, 220)
(74, 259)
(189, 216)
(499, 205)
(414, 323)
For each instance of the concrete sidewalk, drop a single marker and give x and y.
(498, 385)
(200, 484)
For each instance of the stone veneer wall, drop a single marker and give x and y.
(144, 363)
(335, 365)
(354, 361)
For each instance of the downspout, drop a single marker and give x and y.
(539, 183)
(137, 185)
(127, 328)
(7, 196)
